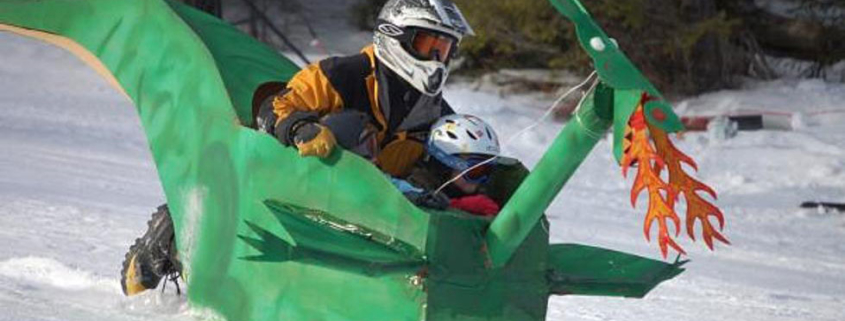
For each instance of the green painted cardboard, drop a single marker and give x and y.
(267, 235)
(615, 69)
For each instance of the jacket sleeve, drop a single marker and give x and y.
(308, 91)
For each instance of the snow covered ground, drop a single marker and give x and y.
(77, 184)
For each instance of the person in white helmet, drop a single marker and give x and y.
(463, 150)
(395, 85)
(397, 81)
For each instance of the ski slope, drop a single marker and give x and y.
(77, 184)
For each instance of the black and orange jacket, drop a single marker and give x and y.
(402, 114)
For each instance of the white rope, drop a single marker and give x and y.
(524, 130)
(552, 108)
(578, 114)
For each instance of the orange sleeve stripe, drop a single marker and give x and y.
(309, 90)
(373, 91)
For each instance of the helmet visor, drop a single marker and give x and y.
(431, 45)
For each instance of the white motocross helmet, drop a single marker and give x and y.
(461, 141)
(417, 38)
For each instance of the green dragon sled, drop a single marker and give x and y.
(259, 244)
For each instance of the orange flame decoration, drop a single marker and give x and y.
(653, 153)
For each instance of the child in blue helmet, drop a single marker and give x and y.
(461, 152)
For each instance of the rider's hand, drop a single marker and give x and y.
(313, 139)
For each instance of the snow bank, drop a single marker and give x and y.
(785, 263)
(50, 272)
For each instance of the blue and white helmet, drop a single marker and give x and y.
(417, 38)
(455, 137)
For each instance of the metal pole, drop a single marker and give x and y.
(276, 31)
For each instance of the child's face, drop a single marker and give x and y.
(464, 185)
(470, 181)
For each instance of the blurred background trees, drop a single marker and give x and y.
(684, 46)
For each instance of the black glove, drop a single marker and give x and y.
(437, 201)
(305, 131)
(287, 128)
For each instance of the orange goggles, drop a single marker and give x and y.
(430, 45)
